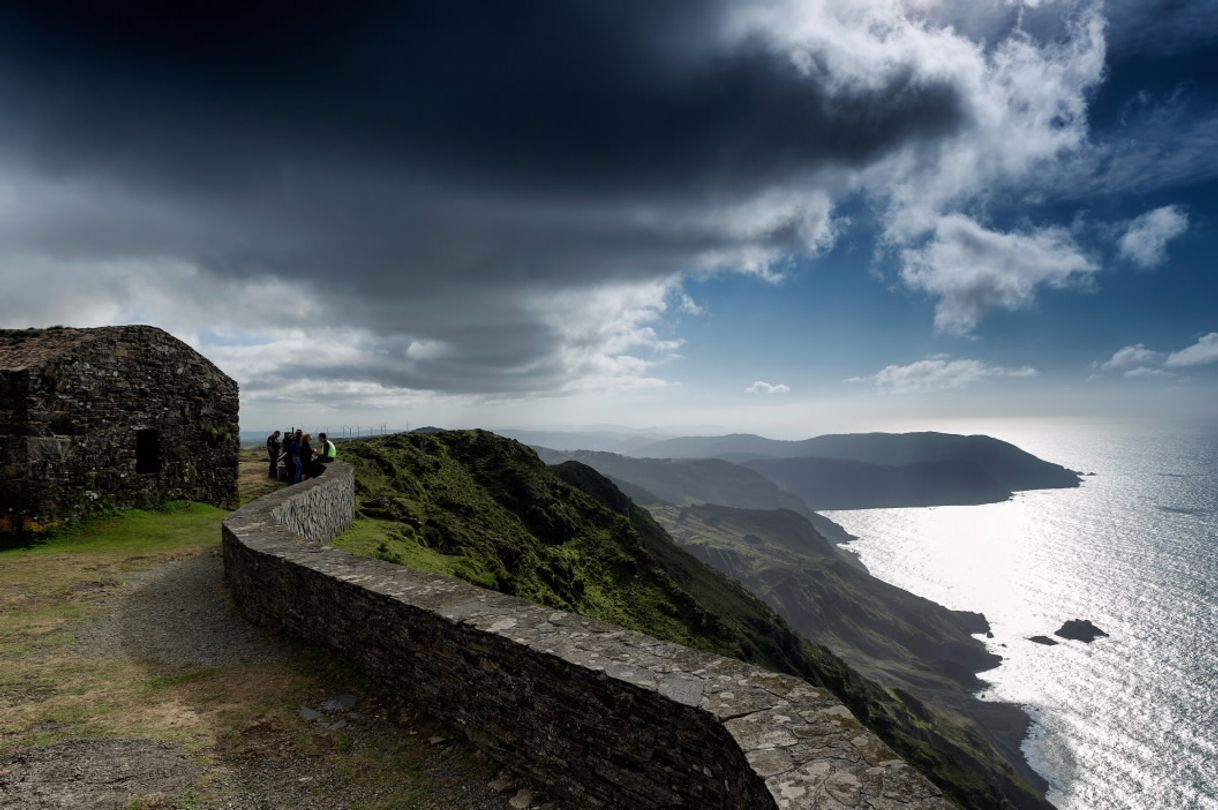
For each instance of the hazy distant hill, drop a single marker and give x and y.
(829, 483)
(690, 481)
(486, 509)
(607, 440)
(908, 469)
(734, 446)
(1006, 464)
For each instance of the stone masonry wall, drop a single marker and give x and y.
(321, 511)
(71, 420)
(606, 717)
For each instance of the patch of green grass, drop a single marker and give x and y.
(177, 526)
(484, 509)
(399, 766)
(162, 682)
(394, 542)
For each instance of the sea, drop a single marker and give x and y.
(1130, 721)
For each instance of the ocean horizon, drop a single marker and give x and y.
(1128, 722)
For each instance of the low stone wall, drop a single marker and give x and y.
(604, 716)
(318, 510)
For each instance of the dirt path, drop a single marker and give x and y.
(149, 691)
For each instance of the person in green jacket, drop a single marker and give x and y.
(327, 452)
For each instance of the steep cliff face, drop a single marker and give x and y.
(900, 640)
(485, 509)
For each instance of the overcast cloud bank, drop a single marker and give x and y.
(391, 202)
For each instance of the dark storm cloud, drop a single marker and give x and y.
(435, 168)
(578, 97)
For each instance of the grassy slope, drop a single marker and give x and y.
(483, 508)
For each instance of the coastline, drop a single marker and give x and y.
(921, 651)
(1006, 724)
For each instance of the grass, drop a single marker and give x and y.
(49, 593)
(52, 691)
(484, 509)
(252, 479)
(176, 527)
(391, 541)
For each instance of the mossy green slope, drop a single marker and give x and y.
(485, 509)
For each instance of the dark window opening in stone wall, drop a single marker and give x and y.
(147, 451)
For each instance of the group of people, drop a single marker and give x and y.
(298, 455)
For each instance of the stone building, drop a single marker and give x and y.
(108, 418)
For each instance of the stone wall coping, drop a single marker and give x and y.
(800, 741)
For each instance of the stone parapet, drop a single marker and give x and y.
(606, 717)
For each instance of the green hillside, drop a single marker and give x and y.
(487, 510)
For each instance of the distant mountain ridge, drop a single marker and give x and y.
(605, 440)
(830, 483)
(651, 481)
(872, 470)
(1007, 464)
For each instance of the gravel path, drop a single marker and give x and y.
(177, 618)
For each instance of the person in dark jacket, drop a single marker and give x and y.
(295, 456)
(307, 457)
(273, 448)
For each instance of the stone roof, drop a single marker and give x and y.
(30, 348)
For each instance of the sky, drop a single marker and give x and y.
(783, 216)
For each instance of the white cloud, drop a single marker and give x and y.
(761, 387)
(1135, 355)
(1144, 372)
(1145, 241)
(688, 306)
(1203, 352)
(973, 270)
(1027, 103)
(1139, 361)
(938, 374)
